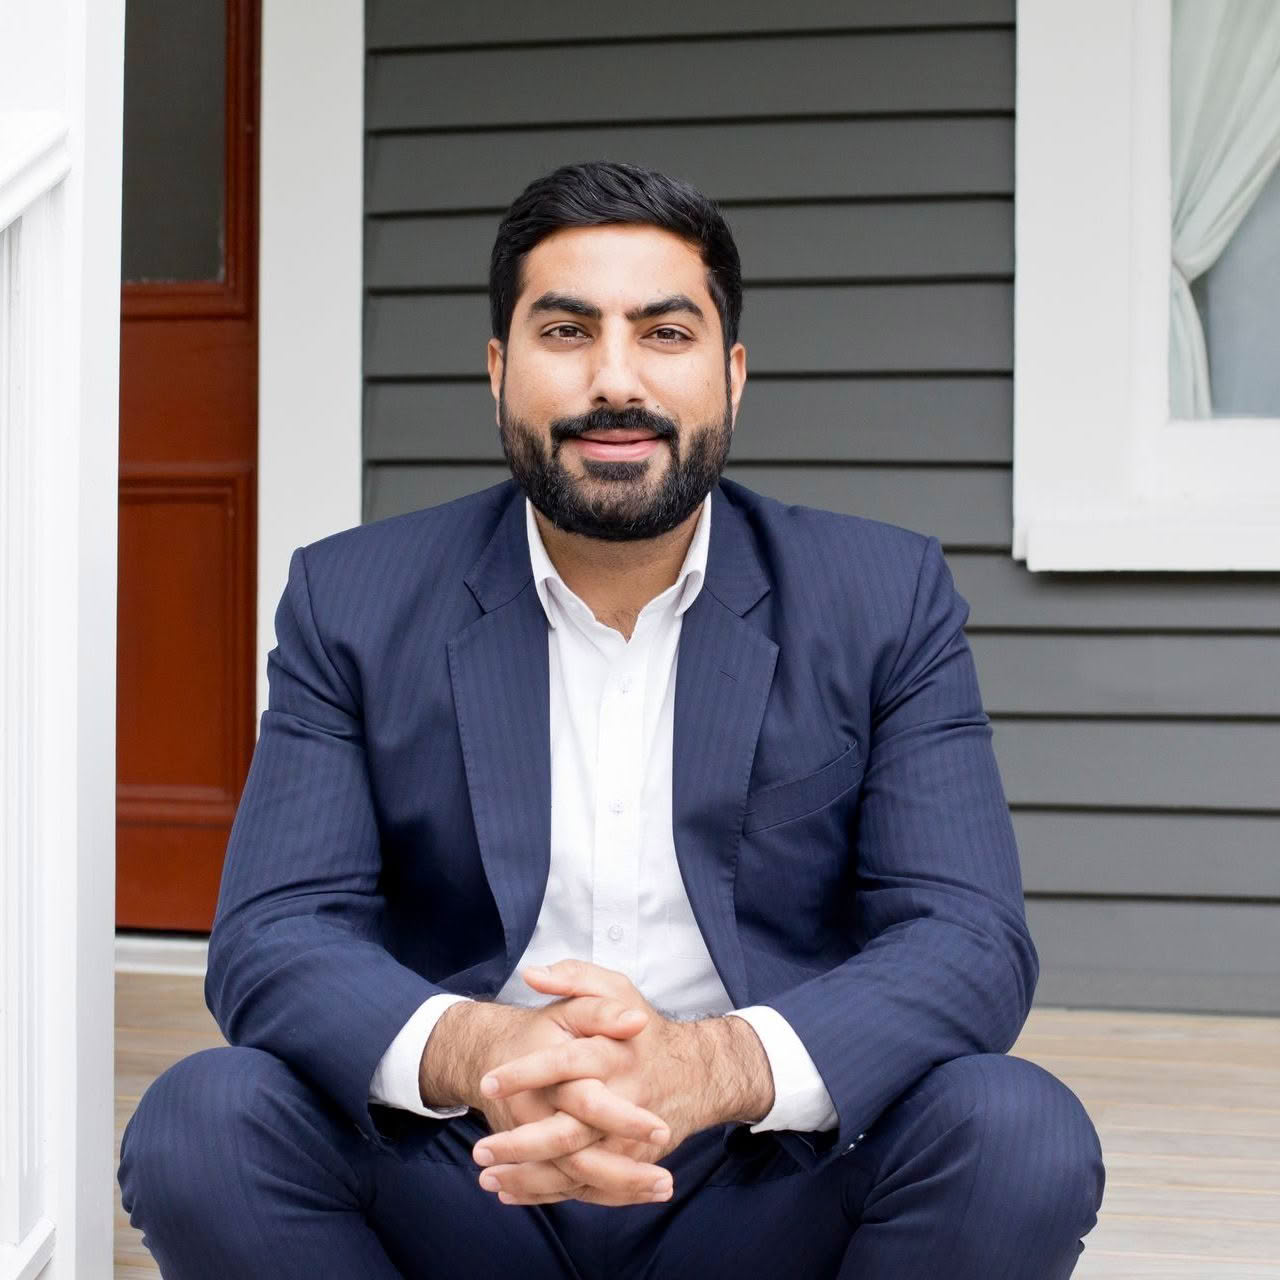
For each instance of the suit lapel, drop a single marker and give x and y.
(498, 666)
(723, 675)
(499, 672)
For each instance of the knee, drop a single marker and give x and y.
(1037, 1148)
(182, 1147)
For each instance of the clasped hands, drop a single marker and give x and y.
(602, 1087)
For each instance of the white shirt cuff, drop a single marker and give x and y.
(800, 1098)
(395, 1080)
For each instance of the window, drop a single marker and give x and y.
(1104, 476)
(1224, 142)
(1238, 301)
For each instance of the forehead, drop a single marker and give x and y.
(614, 266)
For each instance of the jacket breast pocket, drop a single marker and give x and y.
(796, 797)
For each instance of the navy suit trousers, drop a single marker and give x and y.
(987, 1168)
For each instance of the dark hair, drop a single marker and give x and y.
(596, 193)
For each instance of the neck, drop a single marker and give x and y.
(617, 579)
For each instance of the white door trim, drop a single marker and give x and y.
(310, 300)
(310, 305)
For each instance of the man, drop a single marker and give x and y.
(623, 883)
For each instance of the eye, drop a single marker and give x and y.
(554, 331)
(677, 335)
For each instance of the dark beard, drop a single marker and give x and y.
(625, 511)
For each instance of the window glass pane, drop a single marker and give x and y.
(1239, 303)
(1224, 142)
(174, 140)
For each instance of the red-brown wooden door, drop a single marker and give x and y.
(188, 453)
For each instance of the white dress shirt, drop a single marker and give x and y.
(614, 892)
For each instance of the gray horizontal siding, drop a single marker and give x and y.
(841, 419)
(1140, 764)
(393, 24)
(923, 328)
(865, 74)
(863, 154)
(1129, 675)
(803, 160)
(1004, 595)
(1197, 855)
(894, 239)
(1207, 956)
(965, 507)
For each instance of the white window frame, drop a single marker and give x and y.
(1102, 478)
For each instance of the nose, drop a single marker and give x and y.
(615, 377)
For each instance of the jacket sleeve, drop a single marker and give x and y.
(946, 964)
(297, 964)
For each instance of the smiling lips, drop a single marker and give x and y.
(617, 445)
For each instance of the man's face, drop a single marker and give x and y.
(615, 425)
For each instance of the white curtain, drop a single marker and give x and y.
(1225, 138)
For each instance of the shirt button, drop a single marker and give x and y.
(616, 806)
(625, 684)
(615, 933)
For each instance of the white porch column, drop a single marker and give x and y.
(61, 92)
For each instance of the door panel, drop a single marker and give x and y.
(188, 453)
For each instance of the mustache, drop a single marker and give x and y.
(607, 420)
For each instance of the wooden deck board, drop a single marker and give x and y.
(1187, 1107)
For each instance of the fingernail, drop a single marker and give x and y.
(489, 1085)
(662, 1191)
(483, 1156)
(537, 971)
(659, 1136)
(489, 1181)
(631, 1015)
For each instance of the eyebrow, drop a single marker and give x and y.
(579, 307)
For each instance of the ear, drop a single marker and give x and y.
(737, 376)
(495, 356)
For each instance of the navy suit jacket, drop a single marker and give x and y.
(839, 818)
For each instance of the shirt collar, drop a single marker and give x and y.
(687, 584)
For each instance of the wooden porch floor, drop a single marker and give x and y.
(1187, 1107)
